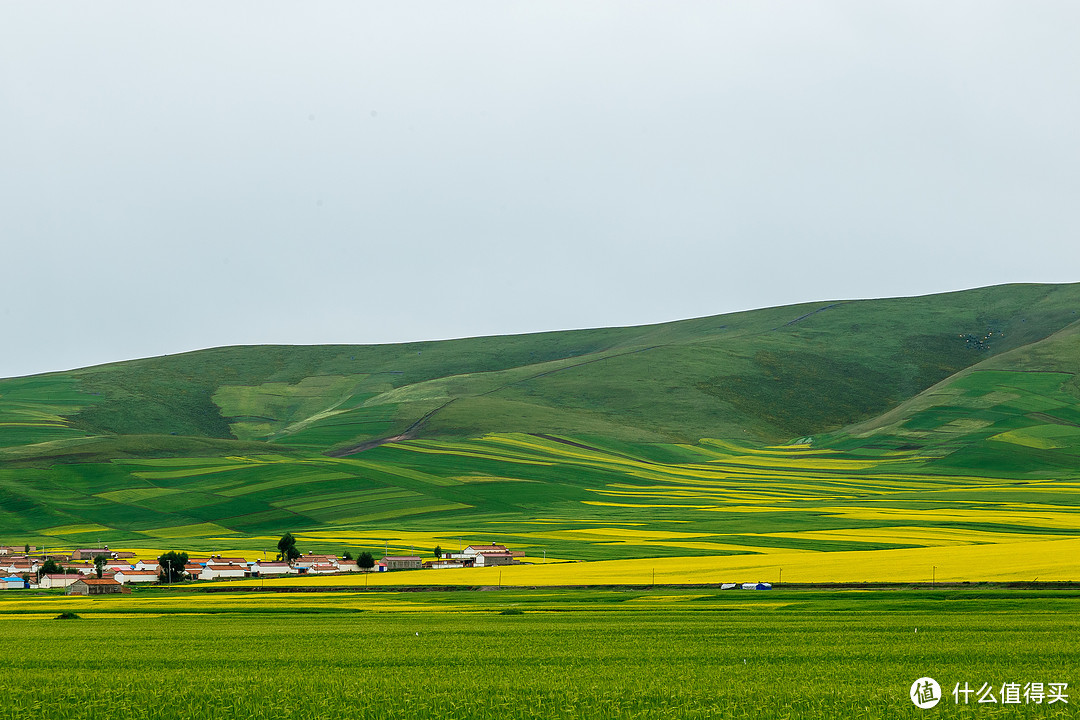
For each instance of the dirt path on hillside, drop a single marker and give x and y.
(413, 431)
(410, 433)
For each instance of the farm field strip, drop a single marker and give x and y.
(443, 490)
(1048, 560)
(922, 536)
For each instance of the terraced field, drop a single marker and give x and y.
(709, 512)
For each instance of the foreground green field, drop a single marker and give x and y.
(666, 654)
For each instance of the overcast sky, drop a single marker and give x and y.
(180, 176)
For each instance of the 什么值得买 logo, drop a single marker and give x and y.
(925, 693)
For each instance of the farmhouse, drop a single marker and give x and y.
(94, 586)
(18, 565)
(400, 562)
(135, 576)
(82, 568)
(218, 560)
(322, 569)
(272, 568)
(57, 581)
(491, 555)
(12, 583)
(14, 550)
(310, 560)
(213, 571)
(91, 553)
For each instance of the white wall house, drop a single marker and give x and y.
(323, 569)
(58, 581)
(125, 577)
(214, 572)
(18, 566)
(272, 568)
(81, 568)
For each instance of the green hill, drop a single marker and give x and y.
(241, 441)
(1015, 412)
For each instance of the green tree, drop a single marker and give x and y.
(346, 555)
(287, 548)
(99, 564)
(49, 567)
(365, 561)
(438, 552)
(172, 566)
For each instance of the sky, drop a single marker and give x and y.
(182, 176)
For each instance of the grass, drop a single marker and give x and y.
(670, 653)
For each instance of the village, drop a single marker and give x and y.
(99, 571)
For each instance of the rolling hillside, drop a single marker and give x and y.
(846, 425)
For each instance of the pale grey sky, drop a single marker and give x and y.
(180, 176)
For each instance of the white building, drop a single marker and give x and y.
(135, 576)
(58, 581)
(214, 572)
(491, 555)
(322, 569)
(272, 568)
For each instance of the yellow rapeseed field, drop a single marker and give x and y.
(1047, 560)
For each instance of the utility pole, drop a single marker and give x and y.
(933, 578)
(781, 576)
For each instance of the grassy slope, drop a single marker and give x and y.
(1018, 412)
(75, 446)
(761, 375)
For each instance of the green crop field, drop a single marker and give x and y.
(535, 654)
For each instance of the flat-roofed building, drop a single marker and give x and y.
(401, 562)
